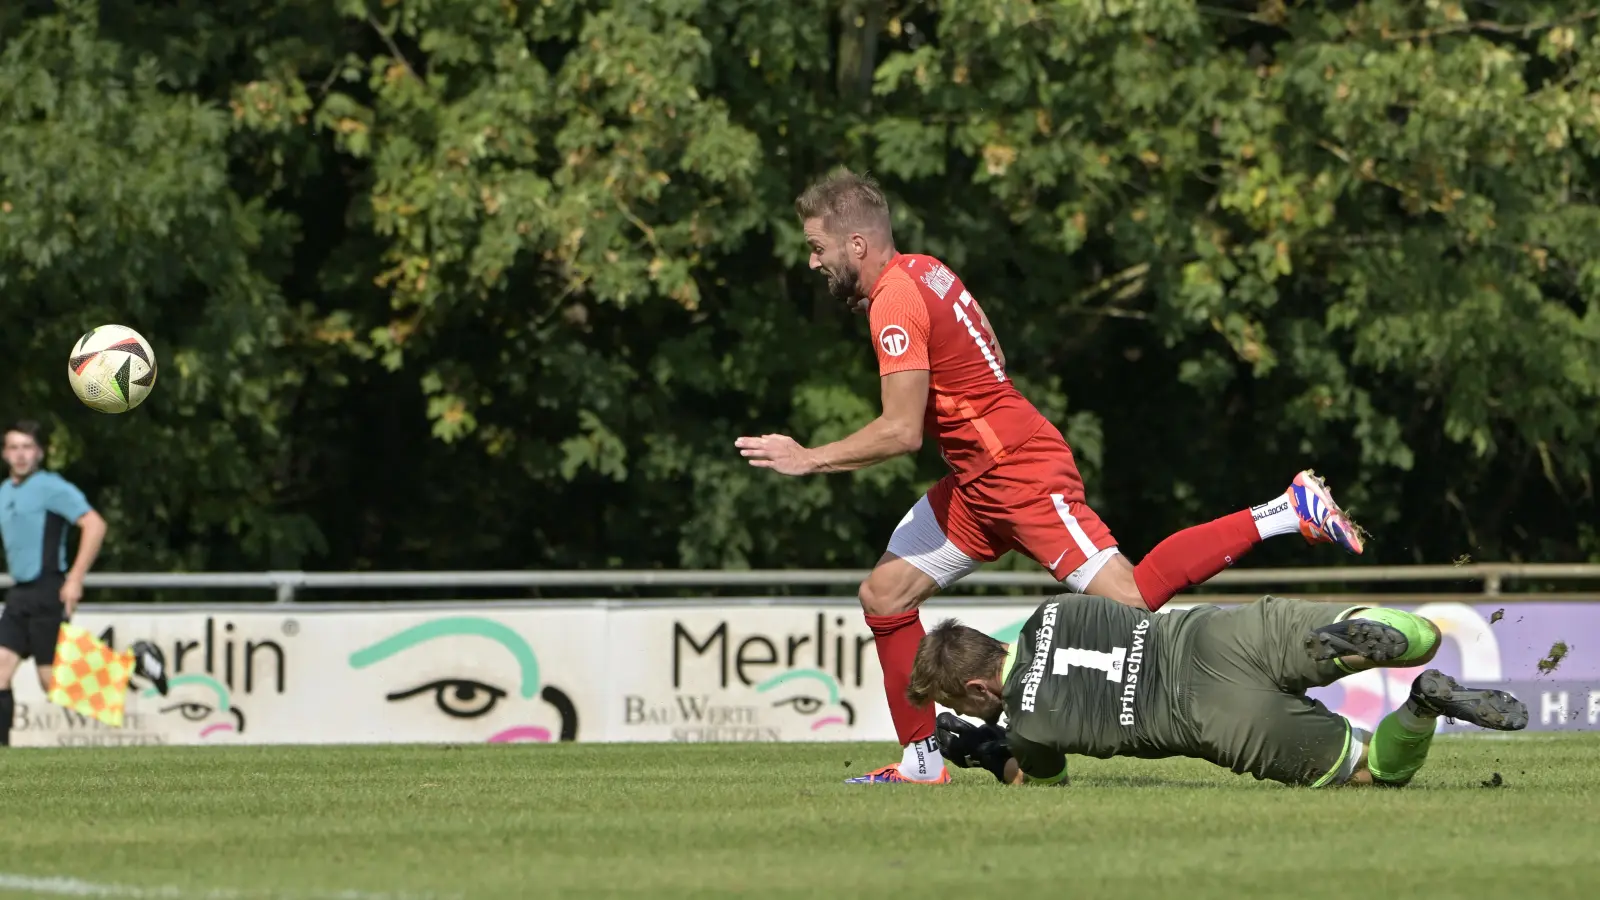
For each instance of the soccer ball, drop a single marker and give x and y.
(112, 368)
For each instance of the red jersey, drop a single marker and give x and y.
(922, 317)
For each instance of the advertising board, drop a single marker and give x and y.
(708, 671)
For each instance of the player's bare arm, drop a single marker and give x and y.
(896, 432)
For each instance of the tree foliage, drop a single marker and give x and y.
(451, 283)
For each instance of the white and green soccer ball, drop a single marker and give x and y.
(112, 368)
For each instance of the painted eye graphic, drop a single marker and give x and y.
(802, 704)
(461, 698)
(194, 712)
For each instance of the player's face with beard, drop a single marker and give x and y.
(842, 281)
(830, 255)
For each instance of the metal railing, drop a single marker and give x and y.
(1490, 577)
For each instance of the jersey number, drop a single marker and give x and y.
(977, 338)
(1098, 660)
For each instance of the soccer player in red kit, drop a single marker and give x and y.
(1013, 484)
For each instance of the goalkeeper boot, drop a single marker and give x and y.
(1438, 693)
(150, 664)
(1365, 638)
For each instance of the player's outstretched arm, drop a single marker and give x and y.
(896, 432)
(1009, 771)
(1005, 755)
(1034, 763)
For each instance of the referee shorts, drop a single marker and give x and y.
(32, 619)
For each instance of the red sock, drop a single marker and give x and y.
(897, 638)
(1193, 555)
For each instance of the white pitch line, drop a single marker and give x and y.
(73, 887)
(61, 886)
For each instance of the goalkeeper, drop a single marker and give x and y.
(1090, 676)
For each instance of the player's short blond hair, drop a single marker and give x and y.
(947, 658)
(845, 201)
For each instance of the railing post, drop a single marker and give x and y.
(285, 583)
(1491, 584)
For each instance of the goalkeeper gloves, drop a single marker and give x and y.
(968, 745)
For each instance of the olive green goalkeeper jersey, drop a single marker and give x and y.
(1090, 676)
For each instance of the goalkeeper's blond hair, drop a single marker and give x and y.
(947, 658)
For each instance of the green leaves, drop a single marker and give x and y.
(117, 207)
(535, 266)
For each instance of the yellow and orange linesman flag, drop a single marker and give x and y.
(90, 677)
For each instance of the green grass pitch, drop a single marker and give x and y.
(699, 820)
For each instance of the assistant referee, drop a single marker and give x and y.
(36, 508)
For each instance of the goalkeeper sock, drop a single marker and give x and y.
(7, 707)
(1420, 636)
(1400, 745)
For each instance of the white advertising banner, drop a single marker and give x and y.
(496, 673)
(309, 677)
(723, 673)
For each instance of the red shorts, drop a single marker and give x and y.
(1032, 503)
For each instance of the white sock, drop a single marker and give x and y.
(1275, 517)
(922, 761)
